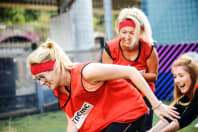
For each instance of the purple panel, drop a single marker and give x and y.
(165, 50)
(161, 49)
(177, 54)
(162, 67)
(193, 46)
(173, 54)
(157, 47)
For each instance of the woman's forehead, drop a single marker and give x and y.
(39, 74)
(179, 69)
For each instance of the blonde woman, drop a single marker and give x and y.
(95, 97)
(134, 47)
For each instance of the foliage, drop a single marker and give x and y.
(99, 22)
(39, 20)
(31, 15)
(10, 16)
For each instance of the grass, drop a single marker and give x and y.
(47, 122)
(52, 122)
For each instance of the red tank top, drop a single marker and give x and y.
(139, 63)
(115, 101)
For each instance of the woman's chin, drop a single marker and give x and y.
(128, 46)
(51, 87)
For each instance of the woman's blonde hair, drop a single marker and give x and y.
(140, 20)
(191, 67)
(50, 51)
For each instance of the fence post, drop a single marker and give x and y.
(108, 19)
(40, 97)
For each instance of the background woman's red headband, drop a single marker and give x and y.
(42, 67)
(126, 23)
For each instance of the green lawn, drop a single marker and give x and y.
(48, 122)
(52, 122)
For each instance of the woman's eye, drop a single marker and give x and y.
(41, 76)
(132, 33)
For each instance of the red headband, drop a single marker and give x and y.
(126, 23)
(42, 67)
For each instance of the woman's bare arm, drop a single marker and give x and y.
(172, 127)
(96, 72)
(159, 126)
(70, 126)
(152, 65)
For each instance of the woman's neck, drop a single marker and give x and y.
(134, 47)
(66, 79)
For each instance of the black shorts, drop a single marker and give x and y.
(136, 126)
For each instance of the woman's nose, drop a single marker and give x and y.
(128, 36)
(176, 80)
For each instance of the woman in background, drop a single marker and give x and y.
(134, 47)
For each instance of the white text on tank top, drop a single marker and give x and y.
(80, 116)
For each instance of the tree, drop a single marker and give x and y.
(11, 16)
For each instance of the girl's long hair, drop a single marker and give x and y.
(191, 67)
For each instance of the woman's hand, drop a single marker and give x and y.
(169, 112)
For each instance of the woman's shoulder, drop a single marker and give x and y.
(112, 47)
(146, 47)
(145, 43)
(113, 42)
(80, 66)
